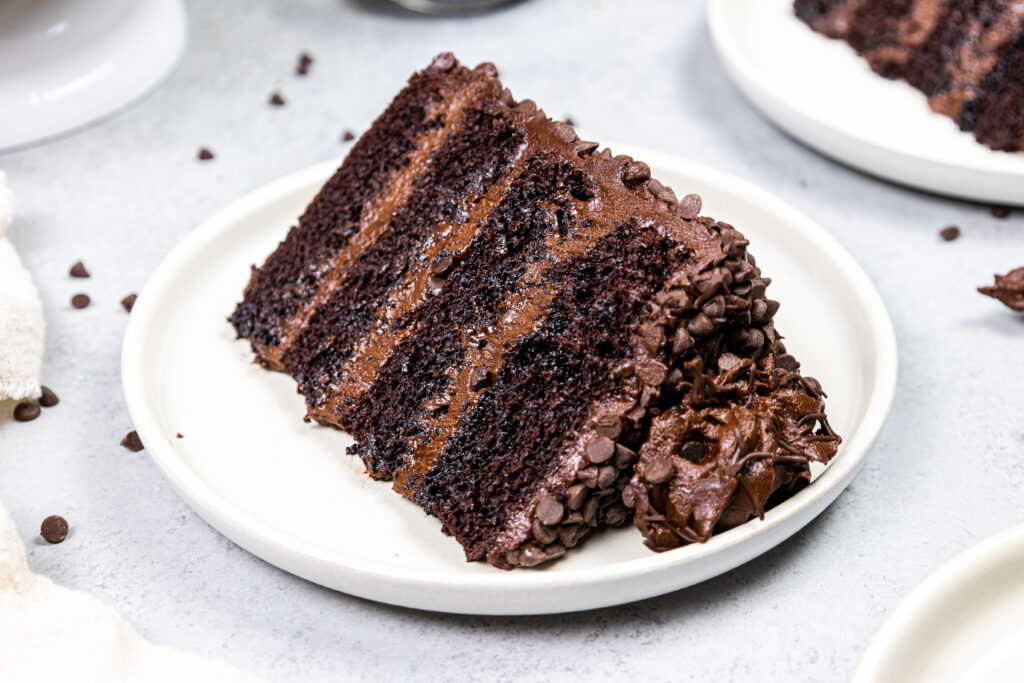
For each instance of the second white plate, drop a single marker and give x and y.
(287, 492)
(821, 92)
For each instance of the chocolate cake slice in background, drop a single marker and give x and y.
(498, 313)
(967, 56)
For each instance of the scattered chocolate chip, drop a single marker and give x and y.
(129, 301)
(624, 457)
(1009, 289)
(531, 555)
(700, 325)
(54, 529)
(204, 154)
(689, 207)
(608, 424)
(600, 449)
(635, 173)
(78, 270)
(276, 100)
(550, 511)
(26, 412)
(651, 372)
(442, 265)
(950, 233)
(590, 511)
(132, 442)
(305, 61)
(659, 470)
(435, 284)
(487, 68)
(80, 300)
(1000, 211)
(588, 476)
(444, 61)
(527, 107)
(682, 342)
(48, 398)
(179, 436)
(563, 131)
(544, 534)
(480, 378)
(348, 136)
(606, 476)
(576, 496)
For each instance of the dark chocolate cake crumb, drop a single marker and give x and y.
(179, 436)
(26, 412)
(78, 270)
(1000, 211)
(48, 398)
(305, 61)
(1009, 289)
(204, 154)
(276, 100)
(129, 301)
(54, 529)
(950, 233)
(348, 136)
(132, 442)
(80, 300)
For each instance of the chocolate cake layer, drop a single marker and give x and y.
(961, 53)
(500, 332)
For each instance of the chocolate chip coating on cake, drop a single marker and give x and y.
(496, 312)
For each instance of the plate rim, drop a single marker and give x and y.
(951, 577)
(927, 163)
(266, 542)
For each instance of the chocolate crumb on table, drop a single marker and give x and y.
(54, 529)
(204, 154)
(80, 300)
(950, 233)
(1000, 211)
(178, 435)
(26, 412)
(48, 398)
(129, 301)
(305, 61)
(1009, 289)
(132, 442)
(277, 100)
(348, 136)
(78, 270)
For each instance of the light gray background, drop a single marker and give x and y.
(947, 471)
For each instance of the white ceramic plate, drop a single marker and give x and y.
(65, 63)
(962, 625)
(822, 93)
(287, 492)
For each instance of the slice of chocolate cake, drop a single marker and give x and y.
(498, 313)
(967, 56)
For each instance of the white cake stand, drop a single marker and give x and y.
(66, 63)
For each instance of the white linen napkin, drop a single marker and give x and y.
(51, 633)
(21, 316)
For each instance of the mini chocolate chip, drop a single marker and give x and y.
(54, 529)
(715, 307)
(682, 342)
(606, 476)
(692, 451)
(204, 154)
(527, 107)
(628, 497)
(636, 414)
(651, 372)
(305, 61)
(569, 535)
(531, 555)
(655, 187)
(689, 207)
(348, 136)
(584, 147)
(600, 449)
(668, 196)
(48, 398)
(587, 476)
(129, 301)
(616, 515)
(78, 270)
(786, 362)
(700, 325)
(605, 153)
(544, 534)
(444, 61)
(435, 284)
(624, 457)
(659, 470)
(576, 495)
(442, 265)
(277, 100)
(635, 173)
(950, 233)
(608, 424)
(80, 300)
(480, 378)
(759, 311)
(550, 510)
(132, 442)
(1000, 211)
(563, 131)
(26, 412)
(590, 511)
(487, 68)
(728, 361)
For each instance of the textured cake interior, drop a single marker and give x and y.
(498, 313)
(967, 56)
